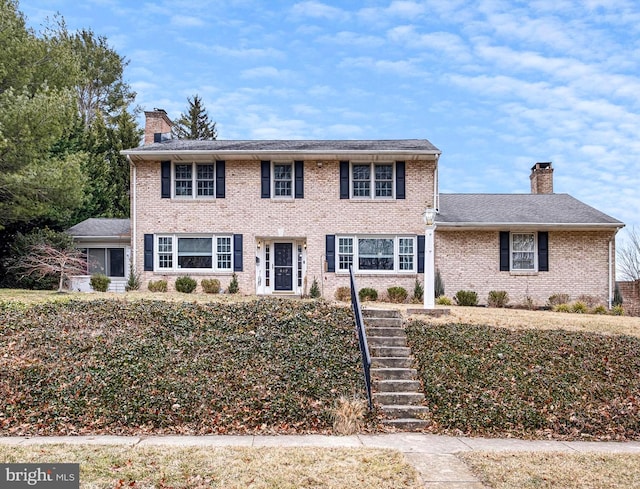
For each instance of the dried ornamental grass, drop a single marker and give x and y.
(348, 416)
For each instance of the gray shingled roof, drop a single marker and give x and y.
(419, 145)
(485, 210)
(101, 227)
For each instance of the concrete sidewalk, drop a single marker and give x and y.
(432, 455)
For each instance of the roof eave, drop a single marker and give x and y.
(490, 226)
(194, 155)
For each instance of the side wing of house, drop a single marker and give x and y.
(530, 245)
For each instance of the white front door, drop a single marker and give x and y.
(280, 266)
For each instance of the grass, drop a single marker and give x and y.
(117, 466)
(509, 470)
(135, 367)
(488, 381)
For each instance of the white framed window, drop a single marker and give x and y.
(282, 175)
(523, 252)
(194, 180)
(377, 254)
(372, 180)
(194, 252)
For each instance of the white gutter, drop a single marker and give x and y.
(574, 226)
(134, 243)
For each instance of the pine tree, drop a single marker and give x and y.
(195, 124)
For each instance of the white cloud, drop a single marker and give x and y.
(266, 72)
(187, 21)
(351, 39)
(318, 10)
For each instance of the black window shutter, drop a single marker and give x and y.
(344, 179)
(220, 184)
(330, 252)
(148, 252)
(237, 252)
(400, 186)
(504, 251)
(165, 179)
(299, 171)
(265, 179)
(543, 251)
(420, 254)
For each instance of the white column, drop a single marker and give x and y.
(429, 268)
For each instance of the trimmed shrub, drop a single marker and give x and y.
(99, 282)
(157, 286)
(133, 283)
(498, 298)
(557, 299)
(599, 310)
(185, 284)
(617, 310)
(562, 308)
(368, 294)
(466, 298)
(580, 307)
(314, 291)
(418, 292)
(397, 294)
(443, 300)
(343, 294)
(210, 286)
(233, 285)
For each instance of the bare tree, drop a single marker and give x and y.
(629, 256)
(44, 260)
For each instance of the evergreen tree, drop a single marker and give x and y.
(195, 124)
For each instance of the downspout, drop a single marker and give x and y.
(436, 195)
(133, 213)
(611, 262)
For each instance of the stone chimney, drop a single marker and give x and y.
(157, 127)
(541, 178)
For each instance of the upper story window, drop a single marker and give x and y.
(283, 179)
(372, 180)
(381, 181)
(376, 254)
(194, 180)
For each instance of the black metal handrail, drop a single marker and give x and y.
(362, 336)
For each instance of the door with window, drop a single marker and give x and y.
(283, 266)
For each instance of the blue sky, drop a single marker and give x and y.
(496, 85)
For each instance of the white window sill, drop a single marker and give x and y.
(523, 272)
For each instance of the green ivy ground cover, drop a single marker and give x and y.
(109, 366)
(488, 381)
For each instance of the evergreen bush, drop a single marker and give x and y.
(234, 288)
(185, 284)
(498, 298)
(99, 282)
(210, 286)
(368, 294)
(314, 292)
(397, 294)
(466, 298)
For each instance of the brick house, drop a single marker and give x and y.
(281, 214)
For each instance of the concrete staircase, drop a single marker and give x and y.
(395, 385)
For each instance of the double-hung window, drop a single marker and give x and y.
(186, 252)
(523, 251)
(283, 180)
(376, 254)
(372, 180)
(194, 180)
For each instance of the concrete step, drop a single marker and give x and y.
(397, 386)
(383, 322)
(404, 411)
(387, 341)
(406, 424)
(392, 362)
(389, 351)
(393, 373)
(380, 313)
(385, 331)
(399, 398)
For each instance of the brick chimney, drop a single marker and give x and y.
(157, 127)
(541, 178)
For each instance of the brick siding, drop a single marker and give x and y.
(631, 297)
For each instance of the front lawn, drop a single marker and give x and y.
(134, 367)
(528, 383)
